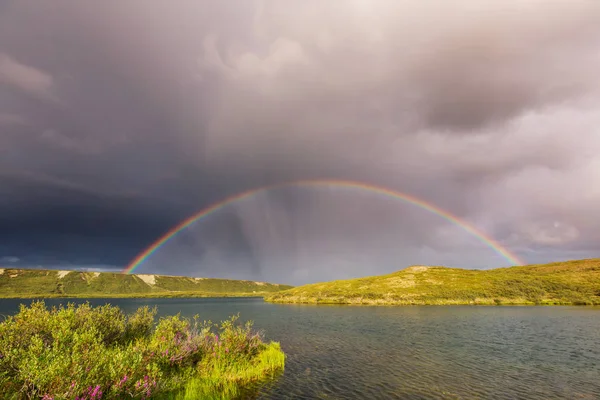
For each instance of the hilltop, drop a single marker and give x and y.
(52, 283)
(571, 282)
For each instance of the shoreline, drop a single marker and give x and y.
(168, 295)
(430, 303)
(309, 301)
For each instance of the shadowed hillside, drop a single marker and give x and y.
(571, 282)
(52, 283)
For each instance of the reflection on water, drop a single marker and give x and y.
(416, 352)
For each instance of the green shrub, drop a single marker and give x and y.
(140, 324)
(99, 353)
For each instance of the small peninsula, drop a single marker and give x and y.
(561, 283)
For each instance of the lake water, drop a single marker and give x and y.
(414, 352)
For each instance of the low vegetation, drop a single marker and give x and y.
(573, 282)
(86, 353)
(28, 283)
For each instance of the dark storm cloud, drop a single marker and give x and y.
(51, 219)
(120, 119)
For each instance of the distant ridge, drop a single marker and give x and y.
(17, 283)
(571, 282)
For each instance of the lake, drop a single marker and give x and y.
(412, 352)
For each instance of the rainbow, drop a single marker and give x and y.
(487, 240)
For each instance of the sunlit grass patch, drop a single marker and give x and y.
(222, 380)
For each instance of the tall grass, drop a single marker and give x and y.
(86, 353)
(220, 381)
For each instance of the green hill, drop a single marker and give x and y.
(571, 282)
(52, 283)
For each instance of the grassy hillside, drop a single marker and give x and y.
(51, 283)
(572, 282)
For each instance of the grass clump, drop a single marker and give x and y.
(86, 353)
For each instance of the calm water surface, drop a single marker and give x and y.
(449, 352)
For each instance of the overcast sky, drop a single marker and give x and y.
(119, 119)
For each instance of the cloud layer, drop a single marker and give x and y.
(119, 120)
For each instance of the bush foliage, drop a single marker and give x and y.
(86, 353)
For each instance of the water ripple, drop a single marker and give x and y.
(441, 353)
